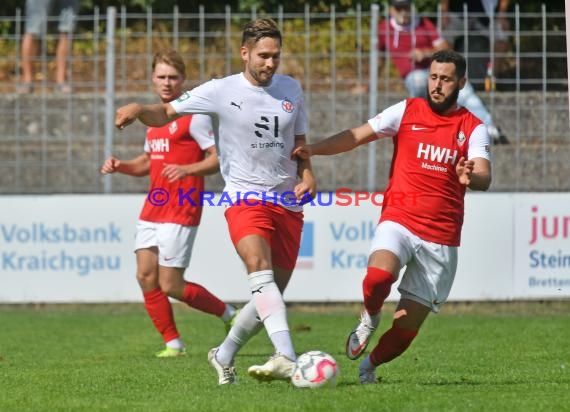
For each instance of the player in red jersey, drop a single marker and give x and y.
(176, 156)
(410, 41)
(440, 149)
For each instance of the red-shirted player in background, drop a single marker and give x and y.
(440, 149)
(176, 156)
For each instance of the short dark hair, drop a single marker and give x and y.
(255, 30)
(451, 56)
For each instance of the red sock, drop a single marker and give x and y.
(392, 344)
(200, 298)
(159, 309)
(376, 288)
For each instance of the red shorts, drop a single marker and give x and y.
(279, 226)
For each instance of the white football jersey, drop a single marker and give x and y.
(255, 129)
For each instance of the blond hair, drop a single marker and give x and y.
(171, 58)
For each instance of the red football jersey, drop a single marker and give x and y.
(423, 192)
(173, 144)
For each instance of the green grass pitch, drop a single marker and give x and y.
(470, 357)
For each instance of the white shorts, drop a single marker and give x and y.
(430, 267)
(174, 242)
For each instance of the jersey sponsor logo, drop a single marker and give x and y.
(417, 128)
(173, 127)
(236, 105)
(160, 145)
(268, 124)
(436, 154)
(288, 105)
(461, 138)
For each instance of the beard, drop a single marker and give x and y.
(446, 104)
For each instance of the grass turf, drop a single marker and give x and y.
(474, 357)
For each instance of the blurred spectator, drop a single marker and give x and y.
(480, 13)
(37, 12)
(411, 45)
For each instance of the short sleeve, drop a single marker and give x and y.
(387, 123)
(201, 130)
(301, 120)
(201, 99)
(479, 143)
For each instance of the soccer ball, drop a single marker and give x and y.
(314, 369)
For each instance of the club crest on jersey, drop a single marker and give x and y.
(183, 96)
(287, 105)
(173, 128)
(461, 138)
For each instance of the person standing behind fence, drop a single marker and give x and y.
(260, 118)
(37, 19)
(176, 156)
(480, 13)
(411, 45)
(440, 150)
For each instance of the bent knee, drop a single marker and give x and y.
(147, 279)
(169, 289)
(255, 263)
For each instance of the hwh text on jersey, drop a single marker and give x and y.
(436, 154)
(159, 145)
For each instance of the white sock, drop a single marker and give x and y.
(227, 351)
(247, 324)
(371, 320)
(271, 309)
(175, 344)
(229, 312)
(282, 340)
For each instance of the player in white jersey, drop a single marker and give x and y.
(256, 126)
(258, 118)
(440, 149)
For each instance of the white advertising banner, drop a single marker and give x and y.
(542, 246)
(79, 248)
(67, 248)
(334, 250)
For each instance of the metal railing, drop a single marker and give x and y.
(55, 143)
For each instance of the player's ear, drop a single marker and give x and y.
(244, 51)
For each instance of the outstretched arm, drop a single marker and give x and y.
(155, 115)
(139, 166)
(338, 143)
(474, 173)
